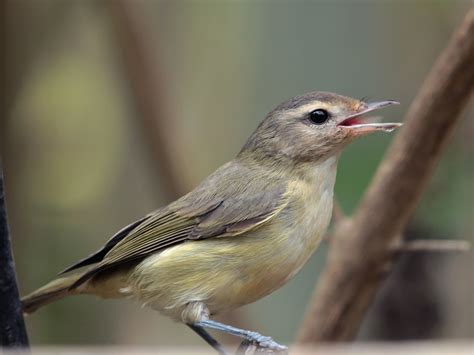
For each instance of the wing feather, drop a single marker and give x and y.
(99, 254)
(195, 217)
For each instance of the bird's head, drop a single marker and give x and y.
(314, 126)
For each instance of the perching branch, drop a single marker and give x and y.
(360, 252)
(12, 324)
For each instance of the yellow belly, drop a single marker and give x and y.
(225, 273)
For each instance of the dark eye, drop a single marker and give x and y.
(318, 116)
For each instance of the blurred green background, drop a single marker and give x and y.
(79, 162)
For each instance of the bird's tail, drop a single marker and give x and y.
(53, 291)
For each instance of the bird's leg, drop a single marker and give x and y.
(261, 340)
(208, 338)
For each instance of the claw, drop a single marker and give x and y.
(265, 342)
(261, 342)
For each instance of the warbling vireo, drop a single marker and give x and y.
(242, 233)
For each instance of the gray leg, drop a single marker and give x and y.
(208, 338)
(261, 340)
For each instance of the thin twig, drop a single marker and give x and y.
(12, 325)
(433, 245)
(361, 247)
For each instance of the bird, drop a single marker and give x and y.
(242, 233)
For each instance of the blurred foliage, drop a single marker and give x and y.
(75, 164)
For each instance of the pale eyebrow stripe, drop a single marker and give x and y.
(315, 105)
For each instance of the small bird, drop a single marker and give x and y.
(241, 234)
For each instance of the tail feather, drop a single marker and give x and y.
(53, 291)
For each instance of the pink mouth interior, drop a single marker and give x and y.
(350, 122)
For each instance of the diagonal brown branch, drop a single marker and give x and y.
(360, 250)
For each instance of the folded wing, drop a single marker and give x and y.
(199, 215)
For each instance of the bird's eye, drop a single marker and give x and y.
(318, 116)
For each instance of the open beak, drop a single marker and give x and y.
(360, 124)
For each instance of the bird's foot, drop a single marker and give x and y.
(261, 343)
(264, 342)
(248, 347)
